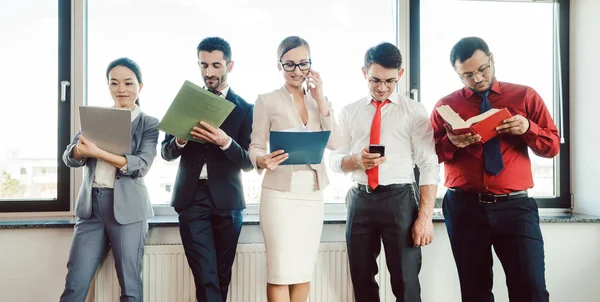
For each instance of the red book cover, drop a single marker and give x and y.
(487, 128)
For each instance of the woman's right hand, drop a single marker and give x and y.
(272, 160)
(85, 148)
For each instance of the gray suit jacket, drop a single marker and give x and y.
(131, 201)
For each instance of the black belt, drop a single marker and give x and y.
(202, 181)
(381, 188)
(490, 198)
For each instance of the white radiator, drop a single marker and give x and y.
(167, 276)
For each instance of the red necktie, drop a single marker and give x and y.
(373, 173)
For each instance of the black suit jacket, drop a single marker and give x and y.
(224, 167)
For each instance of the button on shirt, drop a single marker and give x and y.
(406, 133)
(104, 173)
(204, 172)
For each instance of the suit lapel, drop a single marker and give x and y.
(231, 96)
(137, 122)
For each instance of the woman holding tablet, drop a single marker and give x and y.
(113, 203)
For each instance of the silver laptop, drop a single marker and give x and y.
(108, 128)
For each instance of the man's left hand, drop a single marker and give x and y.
(516, 125)
(422, 230)
(211, 134)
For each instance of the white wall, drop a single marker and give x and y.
(585, 105)
(33, 262)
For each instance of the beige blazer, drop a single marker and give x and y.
(276, 111)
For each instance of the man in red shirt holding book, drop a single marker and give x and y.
(487, 204)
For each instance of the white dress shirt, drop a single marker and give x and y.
(104, 174)
(406, 133)
(204, 172)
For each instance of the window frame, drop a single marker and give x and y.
(62, 202)
(562, 175)
(68, 181)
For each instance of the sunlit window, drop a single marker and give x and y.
(161, 36)
(521, 37)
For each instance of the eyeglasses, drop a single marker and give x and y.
(291, 66)
(389, 83)
(482, 71)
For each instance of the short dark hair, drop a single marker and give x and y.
(385, 54)
(466, 47)
(211, 44)
(290, 43)
(128, 63)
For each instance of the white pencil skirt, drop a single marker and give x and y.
(291, 224)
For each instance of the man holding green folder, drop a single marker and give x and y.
(208, 193)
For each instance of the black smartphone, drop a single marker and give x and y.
(377, 149)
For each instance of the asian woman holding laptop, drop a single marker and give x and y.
(113, 203)
(291, 203)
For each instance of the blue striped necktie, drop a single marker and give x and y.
(492, 154)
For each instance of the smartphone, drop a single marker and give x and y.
(377, 149)
(306, 80)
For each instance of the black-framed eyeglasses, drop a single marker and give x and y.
(389, 83)
(482, 71)
(291, 66)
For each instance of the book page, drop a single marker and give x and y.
(481, 117)
(451, 117)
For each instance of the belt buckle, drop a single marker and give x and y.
(368, 189)
(486, 198)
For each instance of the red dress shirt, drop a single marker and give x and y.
(464, 167)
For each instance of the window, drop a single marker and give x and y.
(338, 31)
(32, 176)
(525, 40)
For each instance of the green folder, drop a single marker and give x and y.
(192, 105)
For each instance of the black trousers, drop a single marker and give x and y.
(388, 216)
(209, 237)
(512, 227)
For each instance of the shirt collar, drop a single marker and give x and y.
(394, 99)
(495, 88)
(223, 92)
(135, 112)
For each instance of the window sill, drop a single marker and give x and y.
(171, 220)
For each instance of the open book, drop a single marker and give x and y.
(483, 124)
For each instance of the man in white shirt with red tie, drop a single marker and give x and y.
(384, 204)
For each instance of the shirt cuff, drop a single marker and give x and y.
(226, 146)
(180, 146)
(429, 179)
(446, 147)
(336, 162)
(532, 133)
